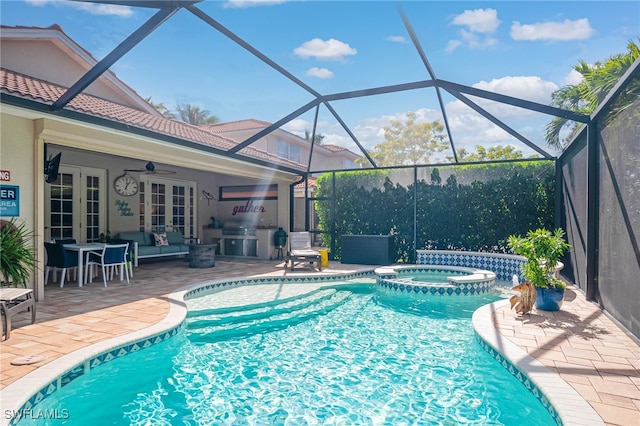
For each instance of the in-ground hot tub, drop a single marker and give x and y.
(437, 280)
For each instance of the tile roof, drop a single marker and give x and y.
(234, 126)
(26, 87)
(334, 148)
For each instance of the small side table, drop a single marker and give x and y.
(13, 301)
(202, 255)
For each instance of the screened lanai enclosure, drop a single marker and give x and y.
(434, 197)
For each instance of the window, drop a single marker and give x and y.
(288, 151)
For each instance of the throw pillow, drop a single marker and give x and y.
(161, 239)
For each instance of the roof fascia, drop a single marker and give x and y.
(126, 128)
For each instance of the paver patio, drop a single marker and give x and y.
(582, 344)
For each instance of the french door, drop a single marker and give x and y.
(76, 204)
(167, 205)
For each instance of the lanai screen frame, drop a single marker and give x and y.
(166, 9)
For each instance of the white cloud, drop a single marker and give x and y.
(478, 23)
(531, 88)
(320, 72)
(92, 8)
(330, 50)
(297, 126)
(397, 39)
(479, 20)
(573, 78)
(579, 29)
(452, 45)
(470, 129)
(251, 3)
(473, 41)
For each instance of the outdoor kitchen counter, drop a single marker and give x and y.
(264, 237)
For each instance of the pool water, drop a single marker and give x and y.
(347, 356)
(437, 277)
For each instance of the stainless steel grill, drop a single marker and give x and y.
(238, 228)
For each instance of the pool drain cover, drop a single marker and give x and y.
(29, 359)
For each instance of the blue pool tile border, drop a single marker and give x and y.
(505, 266)
(81, 369)
(522, 378)
(122, 350)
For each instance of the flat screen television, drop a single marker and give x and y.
(51, 168)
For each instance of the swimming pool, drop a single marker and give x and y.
(341, 355)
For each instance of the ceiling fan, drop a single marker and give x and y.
(150, 169)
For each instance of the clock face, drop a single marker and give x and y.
(125, 185)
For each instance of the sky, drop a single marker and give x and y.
(525, 49)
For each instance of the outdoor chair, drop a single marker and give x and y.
(300, 250)
(110, 258)
(59, 258)
(130, 260)
(65, 241)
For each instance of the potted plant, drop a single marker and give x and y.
(543, 250)
(17, 253)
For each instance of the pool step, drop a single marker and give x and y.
(248, 312)
(263, 319)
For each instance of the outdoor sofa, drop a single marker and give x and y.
(149, 244)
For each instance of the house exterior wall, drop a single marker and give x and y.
(19, 157)
(28, 56)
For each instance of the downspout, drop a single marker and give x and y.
(292, 189)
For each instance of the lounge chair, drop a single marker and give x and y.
(300, 250)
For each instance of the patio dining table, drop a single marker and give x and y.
(83, 248)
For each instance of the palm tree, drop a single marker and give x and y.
(192, 114)
(317, 139)
(584, 97)
(162, 108)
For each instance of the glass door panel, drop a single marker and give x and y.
(167, 205)
(76, 204)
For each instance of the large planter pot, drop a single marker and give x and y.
(549, 299)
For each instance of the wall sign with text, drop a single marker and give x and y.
(9, 200)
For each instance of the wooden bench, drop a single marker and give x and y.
(13, 301)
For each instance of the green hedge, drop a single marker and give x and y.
(475, 207)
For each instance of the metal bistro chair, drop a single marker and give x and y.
(65, 241)
(59, 258)
(130, 259)
(109, 258)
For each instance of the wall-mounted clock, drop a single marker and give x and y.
(125, 185)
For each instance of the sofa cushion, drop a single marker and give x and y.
(160, 239)
(148, 251)
(175, 237)
(142, 238)
(171, 248)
